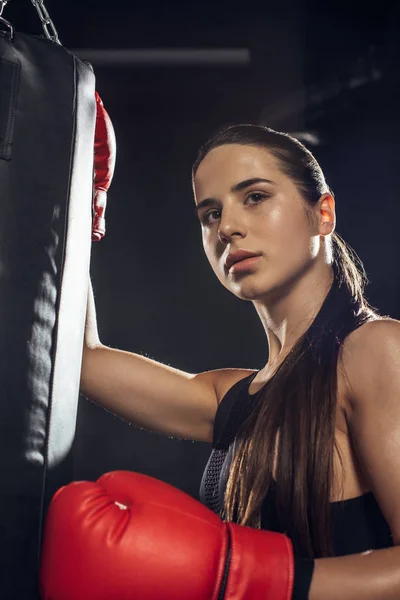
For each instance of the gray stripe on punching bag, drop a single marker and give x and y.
(9, 79)
(45, 222)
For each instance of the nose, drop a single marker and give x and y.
(230, 225)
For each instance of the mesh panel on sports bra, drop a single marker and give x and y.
(233, 409)
(211, 484)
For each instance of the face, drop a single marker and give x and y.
(245, 202)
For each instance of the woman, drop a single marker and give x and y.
(309, 444)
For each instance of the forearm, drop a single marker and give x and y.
(373, 575)
(91, 332)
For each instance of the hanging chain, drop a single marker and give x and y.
(4, 21)
(49, 28)
(2, 6)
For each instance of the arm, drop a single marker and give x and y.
(371, 359)
(148, 393)
(367, 576)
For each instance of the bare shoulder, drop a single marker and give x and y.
(223, 379)
(369, 354)
(371, 338)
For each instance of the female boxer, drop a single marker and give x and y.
(309, 445)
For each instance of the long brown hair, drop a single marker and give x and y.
(295, 414)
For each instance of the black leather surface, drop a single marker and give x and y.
(46, 174)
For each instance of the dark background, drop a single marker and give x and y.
(329, 69)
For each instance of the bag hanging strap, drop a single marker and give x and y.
(49, 28)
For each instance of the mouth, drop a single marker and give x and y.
(238, 256)
(244, 265)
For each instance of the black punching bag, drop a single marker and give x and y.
(47, 124)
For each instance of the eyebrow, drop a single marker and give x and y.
(238, 187)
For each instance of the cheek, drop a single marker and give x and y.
(214, 260)
(290, 226)
(209, 249)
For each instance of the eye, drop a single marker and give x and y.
(257, 197)
(211, 216)
(206, 218)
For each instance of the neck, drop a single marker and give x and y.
(287, 313)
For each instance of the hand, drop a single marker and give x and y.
(105, 150)
(131, 536)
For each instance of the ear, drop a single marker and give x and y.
(325, 212)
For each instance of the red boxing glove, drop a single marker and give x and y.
(131, 536)
(105, 151)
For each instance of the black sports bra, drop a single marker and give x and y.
(358, 522)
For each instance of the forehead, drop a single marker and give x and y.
(227, 165)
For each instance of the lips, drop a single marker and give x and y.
(235, 257)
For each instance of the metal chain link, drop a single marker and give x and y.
(49, 28)
(3, 4)
(4, 21)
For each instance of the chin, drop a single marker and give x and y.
(250, 291)
(261, 288)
